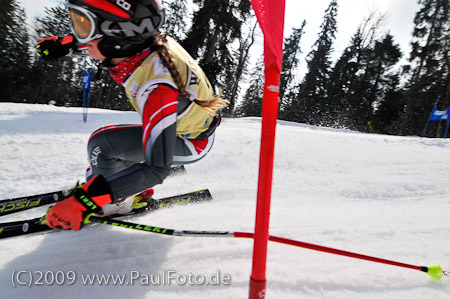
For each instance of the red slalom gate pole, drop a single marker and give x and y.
(270, 15)
(261, 236)
(435, 270)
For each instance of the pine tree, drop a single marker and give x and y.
(376, 80)
(289, 65)
(429, 71)
(252, 101)
(311, 104)
(390, 110)
(239, 69)
(215, 26)
(363, 76)
(176, 19)
(344, 77)
(7, 8)
(15, 54)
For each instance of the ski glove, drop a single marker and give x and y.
(55, 47)
(83, 201)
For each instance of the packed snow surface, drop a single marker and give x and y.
(378, 195)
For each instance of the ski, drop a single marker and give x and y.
(18, 204)
(36, 225)
(177, 170)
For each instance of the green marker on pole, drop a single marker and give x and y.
(435, 271)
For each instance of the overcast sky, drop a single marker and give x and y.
(351, 13)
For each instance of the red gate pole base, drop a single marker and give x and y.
(257, 289)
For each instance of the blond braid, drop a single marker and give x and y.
(212, 105)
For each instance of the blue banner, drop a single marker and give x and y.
(440, 115)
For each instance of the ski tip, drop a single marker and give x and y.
(177, 170)
(436, 272)
(204, 194)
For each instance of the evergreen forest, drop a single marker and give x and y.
(371, 87)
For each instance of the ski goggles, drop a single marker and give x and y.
(84, 23)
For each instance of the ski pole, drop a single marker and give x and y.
(434, 270)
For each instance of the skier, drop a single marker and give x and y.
(164, 84)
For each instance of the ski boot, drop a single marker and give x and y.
(128, 205)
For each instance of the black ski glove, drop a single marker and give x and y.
(55, 47)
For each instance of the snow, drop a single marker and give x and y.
(384, 196)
